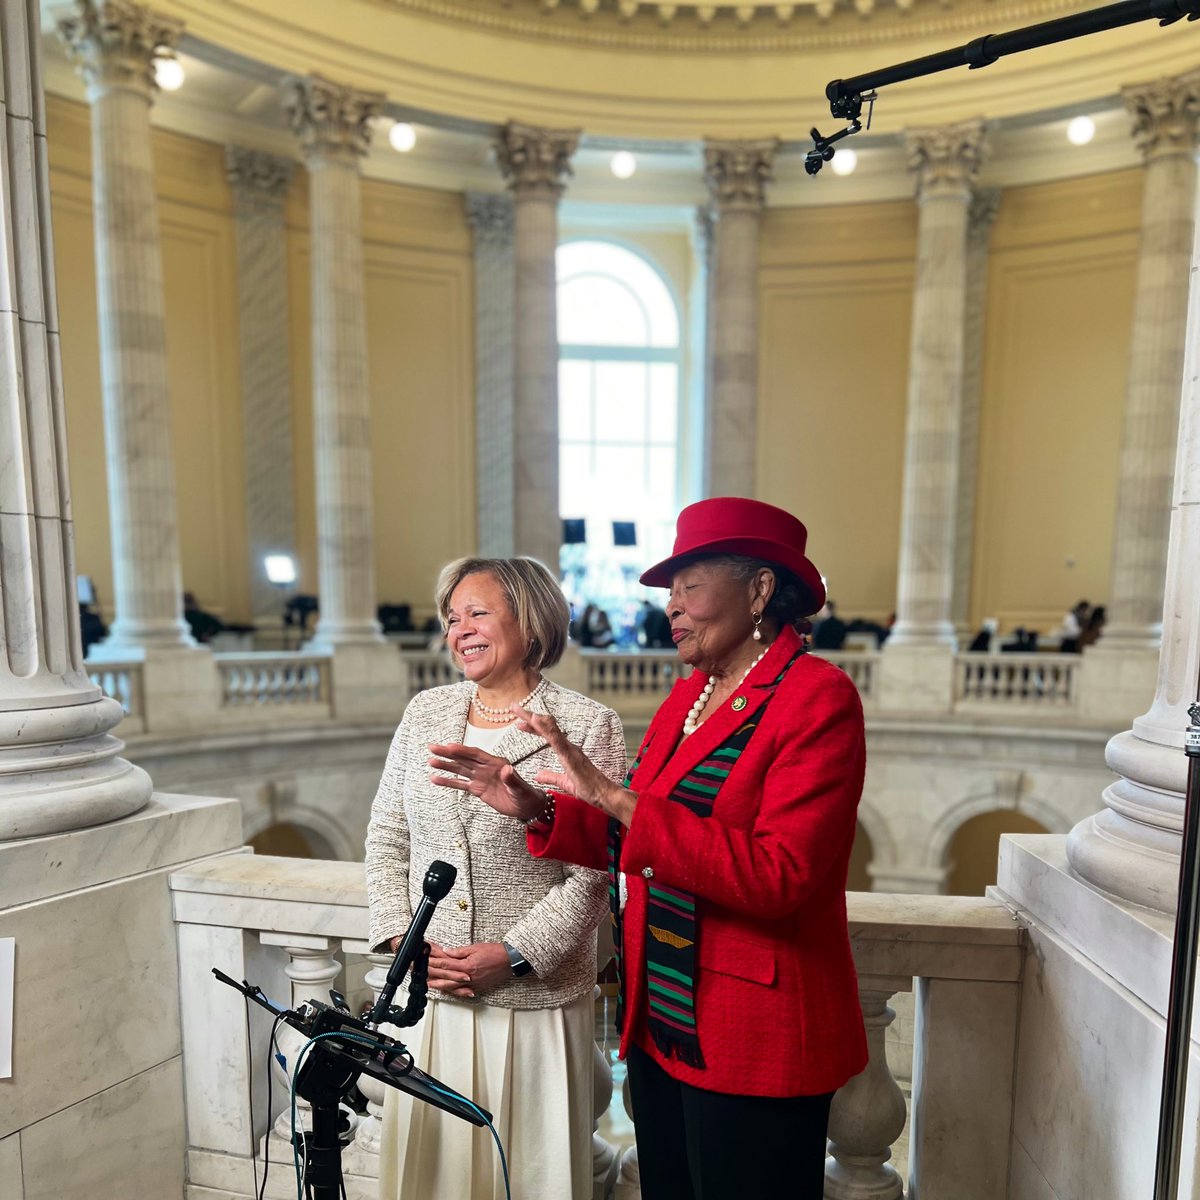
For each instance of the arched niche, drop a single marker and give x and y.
(972, 852)
(286, 839)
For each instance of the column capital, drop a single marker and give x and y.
(535, 160)
(737, 172)
(114, 43)
(259, 179)
(1164, 114)
(490, 215)
(331, 119)
(945, 159)
(985, 204)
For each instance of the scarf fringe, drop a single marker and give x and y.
(669, 1047)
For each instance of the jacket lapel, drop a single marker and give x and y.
(516, 745)
(757, 689)
(666, 728)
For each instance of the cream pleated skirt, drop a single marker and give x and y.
(532, 1070)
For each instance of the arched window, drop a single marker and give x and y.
(619, 373)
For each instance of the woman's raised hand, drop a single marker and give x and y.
(580, 777)
(493, 780)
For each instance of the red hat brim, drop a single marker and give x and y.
(780, 553)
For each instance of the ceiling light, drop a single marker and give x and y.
(402, 136)
(844, 161)
(623, 164)
(1081, 130)
(168, 74)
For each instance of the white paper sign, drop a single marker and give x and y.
(8, 951)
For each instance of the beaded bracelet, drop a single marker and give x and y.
(545, 817)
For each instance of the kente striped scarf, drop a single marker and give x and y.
(671, 923)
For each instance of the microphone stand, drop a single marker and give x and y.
(847, 96)
(346, 1047)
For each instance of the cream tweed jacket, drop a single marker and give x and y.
(548, 910)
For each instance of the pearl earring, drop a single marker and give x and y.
(756, 617)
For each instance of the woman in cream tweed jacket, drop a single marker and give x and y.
(513, 963)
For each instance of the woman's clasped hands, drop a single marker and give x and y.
(496, 782)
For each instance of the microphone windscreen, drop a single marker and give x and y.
(439, 879)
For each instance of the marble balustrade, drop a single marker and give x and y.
(298, 927)
(1046, 682)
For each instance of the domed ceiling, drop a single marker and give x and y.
(680, 68)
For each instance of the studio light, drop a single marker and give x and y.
(1081, 130)
(623, 164)
(280, 568)
(844, 161)
(168, 74)
(402, 136)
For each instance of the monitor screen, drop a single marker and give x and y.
(574, 531)
(624, 533)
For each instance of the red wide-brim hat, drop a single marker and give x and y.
(734, 525)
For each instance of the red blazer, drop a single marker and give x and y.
(777, 1009)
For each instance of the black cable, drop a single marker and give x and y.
(272, 1044)
(250, 1089)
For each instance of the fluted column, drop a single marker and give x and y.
(59, 768)
(1132, 847)
(260, 181)
(491, 218)
(736, 174)
(333, 124)
(114, 44)
(536, 163)
(984, 206)
(945, 161)
(1164, 127)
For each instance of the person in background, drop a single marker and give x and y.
(510, 1022)
(1073, 623)
(981, 643)
(655, 627)
(204, 625)
(1094, 628)
(727, 848)
(830, 634)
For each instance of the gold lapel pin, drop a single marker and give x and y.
(739, 702)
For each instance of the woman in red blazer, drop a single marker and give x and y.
(727, 849)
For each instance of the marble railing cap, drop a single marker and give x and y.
(264, 877)
(970, 920)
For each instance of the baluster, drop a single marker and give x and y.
(629, 1178)
(868, 1114)
(312, 969)
(370, 1131)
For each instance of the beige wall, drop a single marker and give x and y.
(420, 344)
(836, 303)
(420, 347)
(835, 319)
(1056, 358)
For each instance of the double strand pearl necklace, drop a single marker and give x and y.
(693, 718)
(502, 716)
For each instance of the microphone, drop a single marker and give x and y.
(439, 879)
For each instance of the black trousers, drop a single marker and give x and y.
(698, 1145)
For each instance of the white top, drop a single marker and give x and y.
(484, 739)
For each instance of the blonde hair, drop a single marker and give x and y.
(534, 599)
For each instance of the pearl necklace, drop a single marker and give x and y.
(693, 718)
(502, 716)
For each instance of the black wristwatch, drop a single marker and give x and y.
(516, 961)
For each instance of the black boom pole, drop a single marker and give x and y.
(847, 96)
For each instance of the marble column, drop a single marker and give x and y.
(984, 206)
(491, 217)
(945, 161)
(59, 768)
(536, 163)
(333, 124)
(1131, 848)
(736, 174)
(114, 44)
(260, 181)
(1164, 127)
(917, 669)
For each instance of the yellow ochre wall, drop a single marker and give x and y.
(420, 345)
(836, 305)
